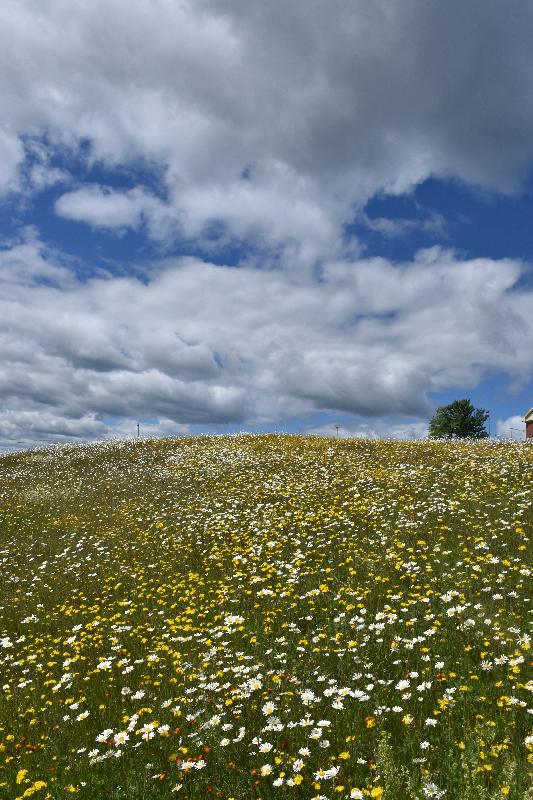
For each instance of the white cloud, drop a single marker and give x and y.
(102, 207)
(25, 261)
(511, 428)
(379, 429)
(321, 105)
(400, 227)
(271, 123)
(127, 429)
(11, 158)
(205, 344)
(23, 429)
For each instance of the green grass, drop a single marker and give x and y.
(166, 592)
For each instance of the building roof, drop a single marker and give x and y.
(529, 416)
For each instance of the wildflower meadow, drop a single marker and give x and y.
(266, 617)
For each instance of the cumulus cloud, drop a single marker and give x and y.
(11, 158)
(22, 429)
(25, 428)
(269, 124)
(372, 430)
(103, 207)
(278, 120)
(511, 428)
(197, 343)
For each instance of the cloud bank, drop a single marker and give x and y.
(511, 428)
(270, 125)
(198, 343)
(319, 105)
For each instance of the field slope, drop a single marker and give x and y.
(266, 617)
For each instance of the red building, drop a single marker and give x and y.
(529, 424)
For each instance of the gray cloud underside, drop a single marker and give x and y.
(200, 343)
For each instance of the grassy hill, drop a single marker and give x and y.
(266, 617)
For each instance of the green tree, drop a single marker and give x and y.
(460, 419)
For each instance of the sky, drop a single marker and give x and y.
(230, 215)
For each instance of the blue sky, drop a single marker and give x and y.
(225, 216)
